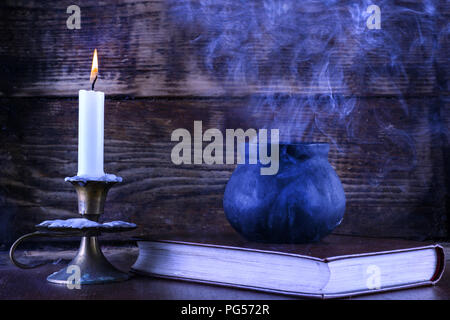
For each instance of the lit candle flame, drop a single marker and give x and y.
(94, 69)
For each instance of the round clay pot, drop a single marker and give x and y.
(301, 203)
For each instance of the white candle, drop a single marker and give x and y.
(90, 133)
(91, 129)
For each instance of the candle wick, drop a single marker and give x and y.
(93, 83)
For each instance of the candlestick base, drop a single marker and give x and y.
(89, 266)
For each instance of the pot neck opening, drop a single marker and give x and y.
(299, 150)
(306, 150)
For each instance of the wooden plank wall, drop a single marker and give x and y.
(381, 100)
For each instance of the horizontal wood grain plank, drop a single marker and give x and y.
(223, 48)
(387, 151)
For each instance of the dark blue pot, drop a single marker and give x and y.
(302, 203)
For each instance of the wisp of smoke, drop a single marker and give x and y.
(317, 65)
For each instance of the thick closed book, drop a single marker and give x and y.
(360, 265)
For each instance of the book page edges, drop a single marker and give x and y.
(289, 293)
(231, 285)
(439, 249)
(440, 266)
(237, 248)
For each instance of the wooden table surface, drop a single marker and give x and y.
(31, 284)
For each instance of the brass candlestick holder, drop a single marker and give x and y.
(94, 268)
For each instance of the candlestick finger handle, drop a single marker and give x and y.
(36, 234)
